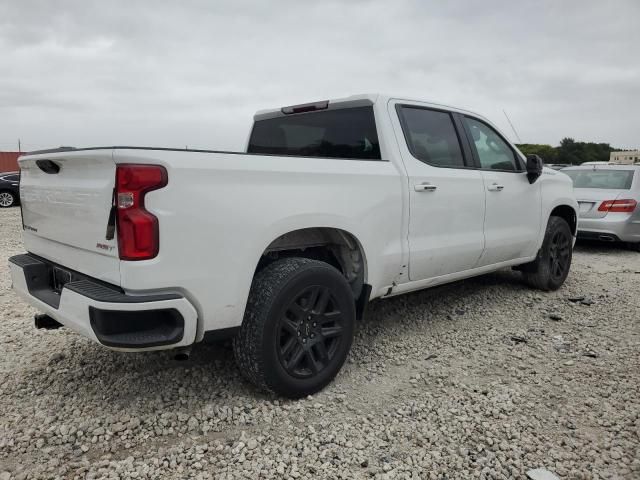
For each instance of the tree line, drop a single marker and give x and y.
(569, 151)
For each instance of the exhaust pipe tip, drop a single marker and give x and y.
(182, 354)
(606, 238)
(44, 321)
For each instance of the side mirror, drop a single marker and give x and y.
(534, 167)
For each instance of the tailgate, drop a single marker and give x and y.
(66, 202)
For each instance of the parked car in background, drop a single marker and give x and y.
(281, 247)
(9, 189)
(594, 163)
(608, 197)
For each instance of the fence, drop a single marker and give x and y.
(9, 161)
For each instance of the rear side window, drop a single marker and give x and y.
(431, 136)
(608, 179)
(341, 133)
(10, 178)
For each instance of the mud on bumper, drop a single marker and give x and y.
(103, 312)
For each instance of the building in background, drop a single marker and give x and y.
(627, 157)
(9, 161)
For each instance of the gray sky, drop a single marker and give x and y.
(192, 73)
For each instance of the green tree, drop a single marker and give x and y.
(569, 151)
(546, 152)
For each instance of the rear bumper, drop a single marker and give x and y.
(621, 228)
(104, 313)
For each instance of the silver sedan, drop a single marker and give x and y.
(608, 196)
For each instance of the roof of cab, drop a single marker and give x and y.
(355, 101)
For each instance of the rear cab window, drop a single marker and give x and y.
(613, 179)
(348, 133)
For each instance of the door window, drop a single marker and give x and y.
(493, 152)
(431, 136)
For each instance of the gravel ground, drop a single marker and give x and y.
(480, 379)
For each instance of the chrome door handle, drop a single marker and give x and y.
(495, 187)
(425, 187)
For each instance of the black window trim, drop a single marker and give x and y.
(520, 167)
(464, 148)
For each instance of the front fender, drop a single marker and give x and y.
(557, 191)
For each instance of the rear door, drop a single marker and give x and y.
(66, 204)
(446, 194)
(513, 206)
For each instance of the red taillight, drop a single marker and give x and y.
(626, 205)
(138, 233)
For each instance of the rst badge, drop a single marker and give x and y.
(104, 246)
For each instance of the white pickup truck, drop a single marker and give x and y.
(281, 248)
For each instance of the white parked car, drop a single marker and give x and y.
(334, 203)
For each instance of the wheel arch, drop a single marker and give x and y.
(568, 213)
(336, 246)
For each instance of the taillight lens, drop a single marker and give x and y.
(138, 232)
(626, 205)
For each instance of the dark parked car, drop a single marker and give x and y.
(9, 189)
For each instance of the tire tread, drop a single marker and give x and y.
(537, 273)
(265, 289)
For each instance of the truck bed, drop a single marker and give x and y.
(209, 194)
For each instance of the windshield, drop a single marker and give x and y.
(609, 179)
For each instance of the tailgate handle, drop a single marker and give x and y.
(48, 166)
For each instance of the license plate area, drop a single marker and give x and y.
(59, 278)
(585, 206)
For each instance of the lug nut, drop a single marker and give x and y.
(304, 340)
(315, 324)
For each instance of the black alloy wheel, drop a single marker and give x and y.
(298, 327)
(559, 254)
(310, 332)
(550, 268)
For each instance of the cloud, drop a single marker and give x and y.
(193, 72)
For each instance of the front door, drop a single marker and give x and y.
(513, 205)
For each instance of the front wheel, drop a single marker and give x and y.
(298, 327)
(550, 268)
(7, 199)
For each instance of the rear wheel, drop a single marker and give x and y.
(298, 327)
(7, 199)
(551, 267)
